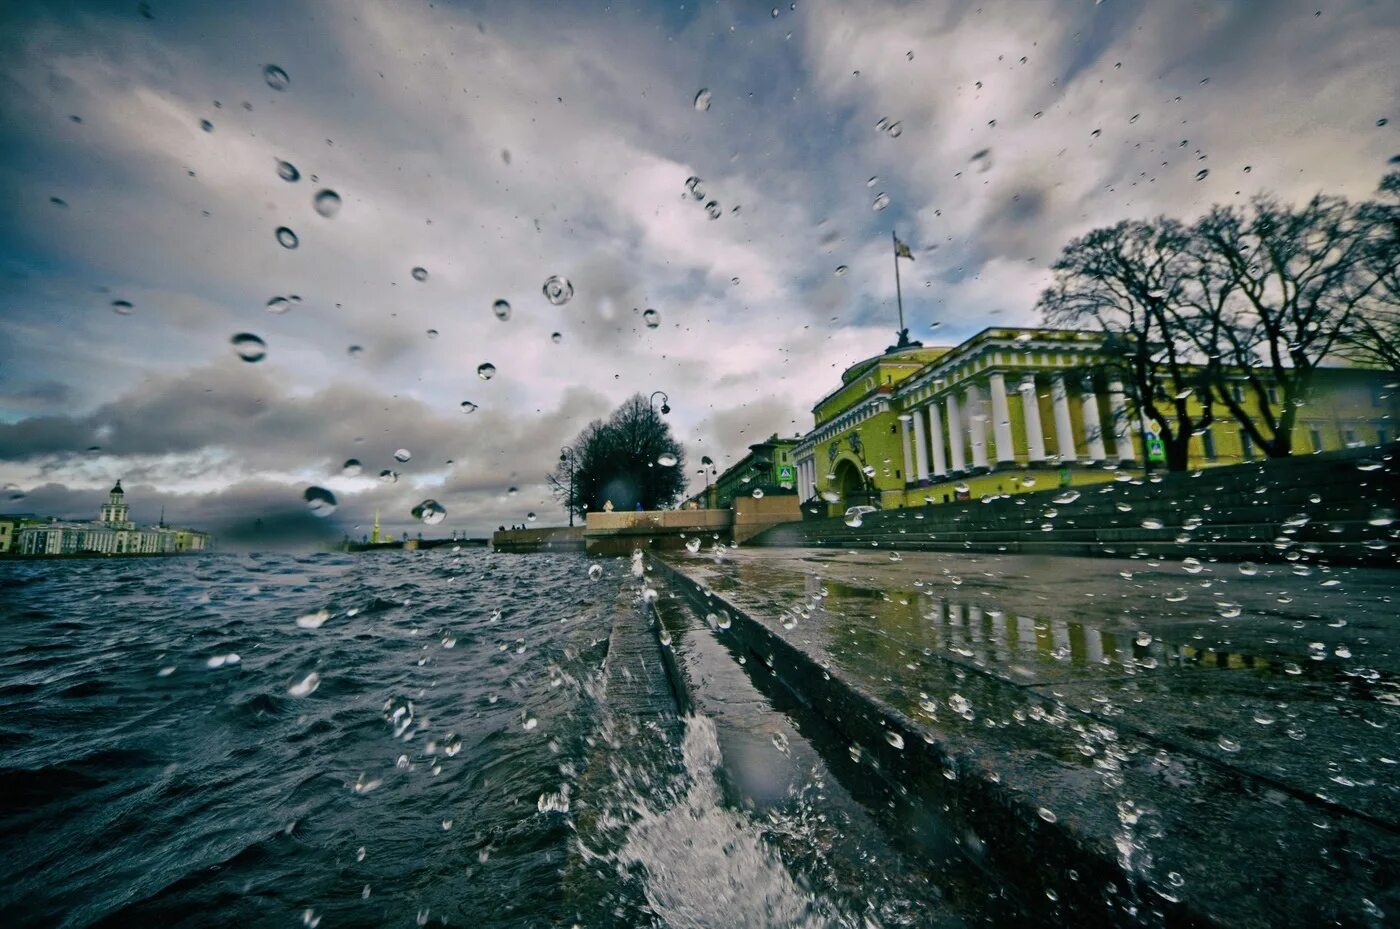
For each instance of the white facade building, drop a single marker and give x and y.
(112, 534)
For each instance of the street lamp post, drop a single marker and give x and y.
(566, 455)
(665, 401)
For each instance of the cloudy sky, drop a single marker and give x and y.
(497, 144)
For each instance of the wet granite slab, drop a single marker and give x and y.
(1094, 695)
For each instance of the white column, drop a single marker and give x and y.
(1001, 420)
(935, 433)
(976, 425)
(908, 450)
(920, 446)
(1118, 409)
(955, 435)
(1064, 427)
(1093, 427)
(1030, 410)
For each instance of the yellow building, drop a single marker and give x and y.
(1011, 410)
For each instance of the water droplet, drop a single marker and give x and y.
(692, 545)
(249, 347)
(595, 572)
(419, 274)
(327, 203)
(558, 290)
(388, 476)
(468, 406)
(530, 724)
(1382, 122)
(758, 493)
(894, 130)
(702, 100)
(1202, 174)
(121, 307)
(666, 460)
(512, 491)
(206, 125)
(881, 201)
(430, 512)
(402, 455)
(319, 500)
(651, 318)
(306, 686)
(288, 171)
(360, 853)
(713, 209)
(287, 238)
(354, 351)
(556, 337)
(502, 309)
(1151, 523)
(279, 305)
(854, 520)
(486, 371)
(352, 467)
(530, 517)
(1228, 744)
(276, 78)
(841, 270)
(1248, 568)
(894, 738)
(432, 333)
(692, 184)
(1069, 496)
(1046, 815)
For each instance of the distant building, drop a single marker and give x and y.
(768, 467)
(112, 534)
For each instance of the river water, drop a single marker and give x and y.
(415, 738)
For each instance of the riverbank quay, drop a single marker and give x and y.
(1333, 508)
(1139, 742)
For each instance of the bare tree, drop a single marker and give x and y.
(631, 459)
(1374, 338)
(1292, 285)
(1131, 280)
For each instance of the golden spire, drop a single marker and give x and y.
(374, 534)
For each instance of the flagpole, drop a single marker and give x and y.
(898, 292)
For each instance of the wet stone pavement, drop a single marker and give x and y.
(1223, 735)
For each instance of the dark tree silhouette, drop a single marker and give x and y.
(1292, 284)
(1374, 338)
(620, 461)
(1130, 280)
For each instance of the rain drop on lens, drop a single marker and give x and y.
(389, 477)
(468, 406)
(327, 203)
(702, 100)
(1202, 174)
(713, 209)
(121, 307)
(206, 125)
(558, 290)
(486, 371)
(287, 238)
(352, 467)
(651, 318)
(249, 347)
(556, 337)
(419, 274)
(502, 310)
(595, 572)
(881, 201)
(319, 500)
(288, 171)
(531, 517)
(430, 512)
(666, 460)
(276, 78)
(402, 455)
(279, 305)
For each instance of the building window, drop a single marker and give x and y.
(1349, 438)
(1273, 395)
(1315, 436)
(1247, 446)
(1208, 444)
(1382, 436)
(1237, 392)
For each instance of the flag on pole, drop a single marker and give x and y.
(901, 250)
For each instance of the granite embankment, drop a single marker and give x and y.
(1337, 508)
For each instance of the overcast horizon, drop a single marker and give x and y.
(497, 145)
